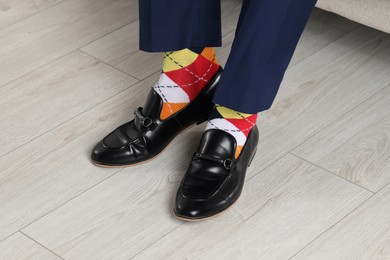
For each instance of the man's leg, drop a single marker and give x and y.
(186, 31)
(266, 36)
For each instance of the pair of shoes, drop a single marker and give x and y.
(214, 179)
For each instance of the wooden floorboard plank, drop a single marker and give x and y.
(41, 100)
(364, 234)
(20, 247)
(13, 11)
(38, 40)
(357, 146)
(120, 49)
(316, 36)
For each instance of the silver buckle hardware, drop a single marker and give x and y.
(227, 163)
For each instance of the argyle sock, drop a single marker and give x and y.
(185, 73)
(235, 123)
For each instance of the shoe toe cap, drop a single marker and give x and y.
(195, 208)
(99, 153)
(106, 156)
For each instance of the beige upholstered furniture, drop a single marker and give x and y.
(373, 13)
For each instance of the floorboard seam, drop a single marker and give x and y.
(353, 210)
(355, 184)
(104, 35)
(66, 121)
(154, 242)
(31, 15)
(42, 245)
(58, 58)
(338, 118)
(111, 66)
(71, 199)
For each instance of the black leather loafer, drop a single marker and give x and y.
(214, 179)
(146, 135)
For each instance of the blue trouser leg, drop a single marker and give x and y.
(266, 37)
(168, 25)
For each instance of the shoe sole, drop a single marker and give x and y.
(219, 213)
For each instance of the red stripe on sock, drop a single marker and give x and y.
(244, 124)
(193, 78)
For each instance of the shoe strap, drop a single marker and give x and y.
(142, 122)
(227, 162)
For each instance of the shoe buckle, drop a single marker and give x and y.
(227, 163)
(145, 121)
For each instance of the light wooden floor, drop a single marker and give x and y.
(71, 71)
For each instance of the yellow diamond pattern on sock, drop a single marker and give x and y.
(230, 113)
(178, 59)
